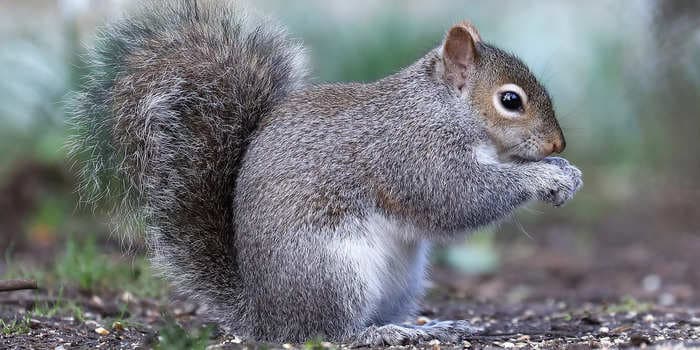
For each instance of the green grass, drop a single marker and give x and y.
(60, 306)
(628, 304)
(17, 326)
(173, 337)
(83, 265)
(317, 344)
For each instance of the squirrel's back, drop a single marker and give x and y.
(174, 92)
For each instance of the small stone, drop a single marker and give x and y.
(621, 329)
(507, 345)
(639, 340)
(435, 344)
(97, 301)
(648, 318)
(127, 297)
(118, 326)
(60, 347)
(604, 330)
(92, 324)
(466, 344)
(651, 283)
(101, 331)
(667, 299)
(287, 346)
(34, 323)
(523, 338)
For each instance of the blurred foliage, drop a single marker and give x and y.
(16, 326)
(86, 265)
(624, 77)
(173, 337)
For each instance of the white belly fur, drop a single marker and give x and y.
(390, 259)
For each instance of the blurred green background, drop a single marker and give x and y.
(624, 75)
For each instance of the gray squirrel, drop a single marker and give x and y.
(291, 210)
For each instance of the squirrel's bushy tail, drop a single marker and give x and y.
(162, 122)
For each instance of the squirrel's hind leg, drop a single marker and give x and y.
(391, 334)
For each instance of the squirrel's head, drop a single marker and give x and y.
(515, 107)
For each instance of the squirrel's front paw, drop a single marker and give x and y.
(564, 181)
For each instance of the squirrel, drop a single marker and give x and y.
(293, 210)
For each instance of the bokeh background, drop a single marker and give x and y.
(624, 76)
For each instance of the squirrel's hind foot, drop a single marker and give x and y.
(392, 335)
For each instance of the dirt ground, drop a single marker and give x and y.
(632, 287)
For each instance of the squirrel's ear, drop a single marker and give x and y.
(459, 53)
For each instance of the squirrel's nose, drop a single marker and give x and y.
(556, 146)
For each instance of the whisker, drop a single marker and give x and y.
(522, 229)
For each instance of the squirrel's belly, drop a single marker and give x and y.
(389, 261)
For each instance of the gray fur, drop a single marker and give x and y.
(292, 211)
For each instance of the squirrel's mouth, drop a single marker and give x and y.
(524, 156)
(528, 159)
(527, 151)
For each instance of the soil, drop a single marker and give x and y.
(631, 287)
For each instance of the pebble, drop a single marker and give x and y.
(127, 297)
(101, 331)
(639, 340)
(97, 301)
(92, 323)
(118, 326)
(466, 344)
(604, 330)
(34, 323)
(621, 329)
(667, 299)
(651, 283)
(648, 318)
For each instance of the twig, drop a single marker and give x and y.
(10, 285)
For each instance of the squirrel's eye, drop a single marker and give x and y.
(511, 101)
